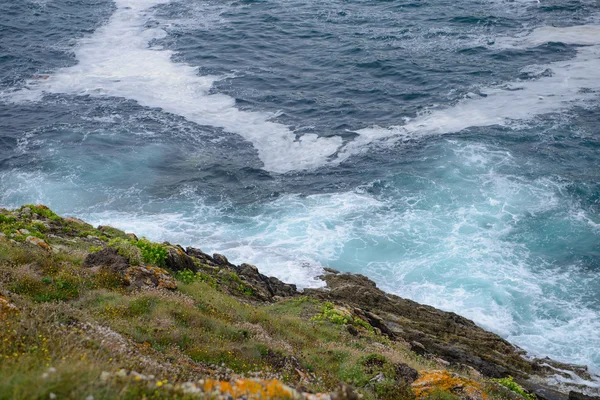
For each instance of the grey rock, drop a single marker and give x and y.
(107, 257)
(580, 396)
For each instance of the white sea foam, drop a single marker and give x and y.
(571, 83)
(117, 61)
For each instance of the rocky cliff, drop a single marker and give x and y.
(94, 312)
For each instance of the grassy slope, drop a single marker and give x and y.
(72, 323)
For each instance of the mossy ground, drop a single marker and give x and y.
(72, 323)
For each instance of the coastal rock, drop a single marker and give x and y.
(266, 288)
(107, 257)
(201, 256)
(178, 260)
(221, 260)
(580, 396)
(78, 221)
(270, 286)
(38, 242)
(406, 373)
(138, 277)
(442, 334)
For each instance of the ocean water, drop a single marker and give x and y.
(448, 150)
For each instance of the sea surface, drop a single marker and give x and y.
(449, 150)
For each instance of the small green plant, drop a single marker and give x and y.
(331, 314)
(232, 276)
(187, 276)
(246, 290)
(340, 317)
(152, 253)
(513, 386)
(107, 279)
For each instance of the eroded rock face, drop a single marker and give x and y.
(201, 256)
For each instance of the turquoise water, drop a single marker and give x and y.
(449, 152)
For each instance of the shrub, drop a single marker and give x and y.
(152, 253)
(513, 386)
(5, 219)
(338, 316)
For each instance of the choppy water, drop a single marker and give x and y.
(448, 150)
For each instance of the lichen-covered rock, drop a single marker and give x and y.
(38, 242)
(78, 222)
(430, 382)
(406, 373)
(269, 287)
(178, 260)
(148, 277)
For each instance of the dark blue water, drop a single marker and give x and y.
(448, 151)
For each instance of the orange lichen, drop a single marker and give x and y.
(38, 242)
(250, 388)
(437, 380)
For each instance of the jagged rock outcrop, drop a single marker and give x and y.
(178, 260)
(265, 288)
(134, 276)
(429, 330)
